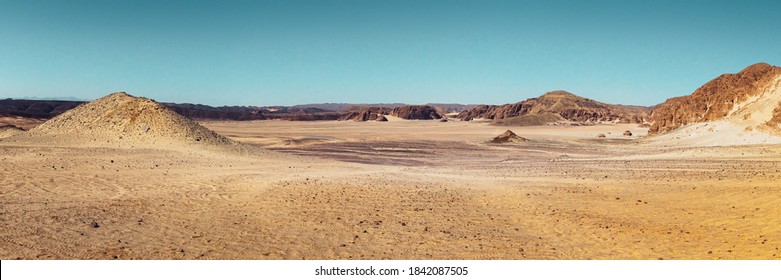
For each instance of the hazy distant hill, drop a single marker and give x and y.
(43, 109)
(442, 108)
(46, 109)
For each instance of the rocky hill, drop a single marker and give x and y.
(508, 137)
(724, 97)
(416, 112)
(125, 119)
(365, 114)
(566, 105)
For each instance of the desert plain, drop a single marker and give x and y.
(402, 189)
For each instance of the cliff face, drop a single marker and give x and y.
(564, 104)
(717, 99)
(412, 112)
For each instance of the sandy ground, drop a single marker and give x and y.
(393, 190)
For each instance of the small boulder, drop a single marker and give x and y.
(627, 133)
(601, 135)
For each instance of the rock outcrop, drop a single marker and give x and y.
(721, 98)
(416, 112)
(508, 137)
(366, 114)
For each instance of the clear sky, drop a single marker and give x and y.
(294, 52)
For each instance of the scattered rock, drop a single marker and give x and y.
(94, 224)
(508, 137)
(601, 135)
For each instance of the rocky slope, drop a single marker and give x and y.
(750, 97)
(122, 118)
(508, 137)
(564, 104)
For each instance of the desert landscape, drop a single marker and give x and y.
(554, 177)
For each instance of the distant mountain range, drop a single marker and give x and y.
(557, 106)
(748, 102)
(45, 109)
(442, 108)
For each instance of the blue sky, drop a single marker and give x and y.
(294, 52)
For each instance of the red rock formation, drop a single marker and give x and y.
(414, 112)
(714, 100)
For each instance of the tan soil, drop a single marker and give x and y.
(393, 190)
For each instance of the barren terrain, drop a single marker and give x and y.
(392, 190)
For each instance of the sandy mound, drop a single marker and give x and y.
(508, 137)
(125, 119)
(10, 130)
